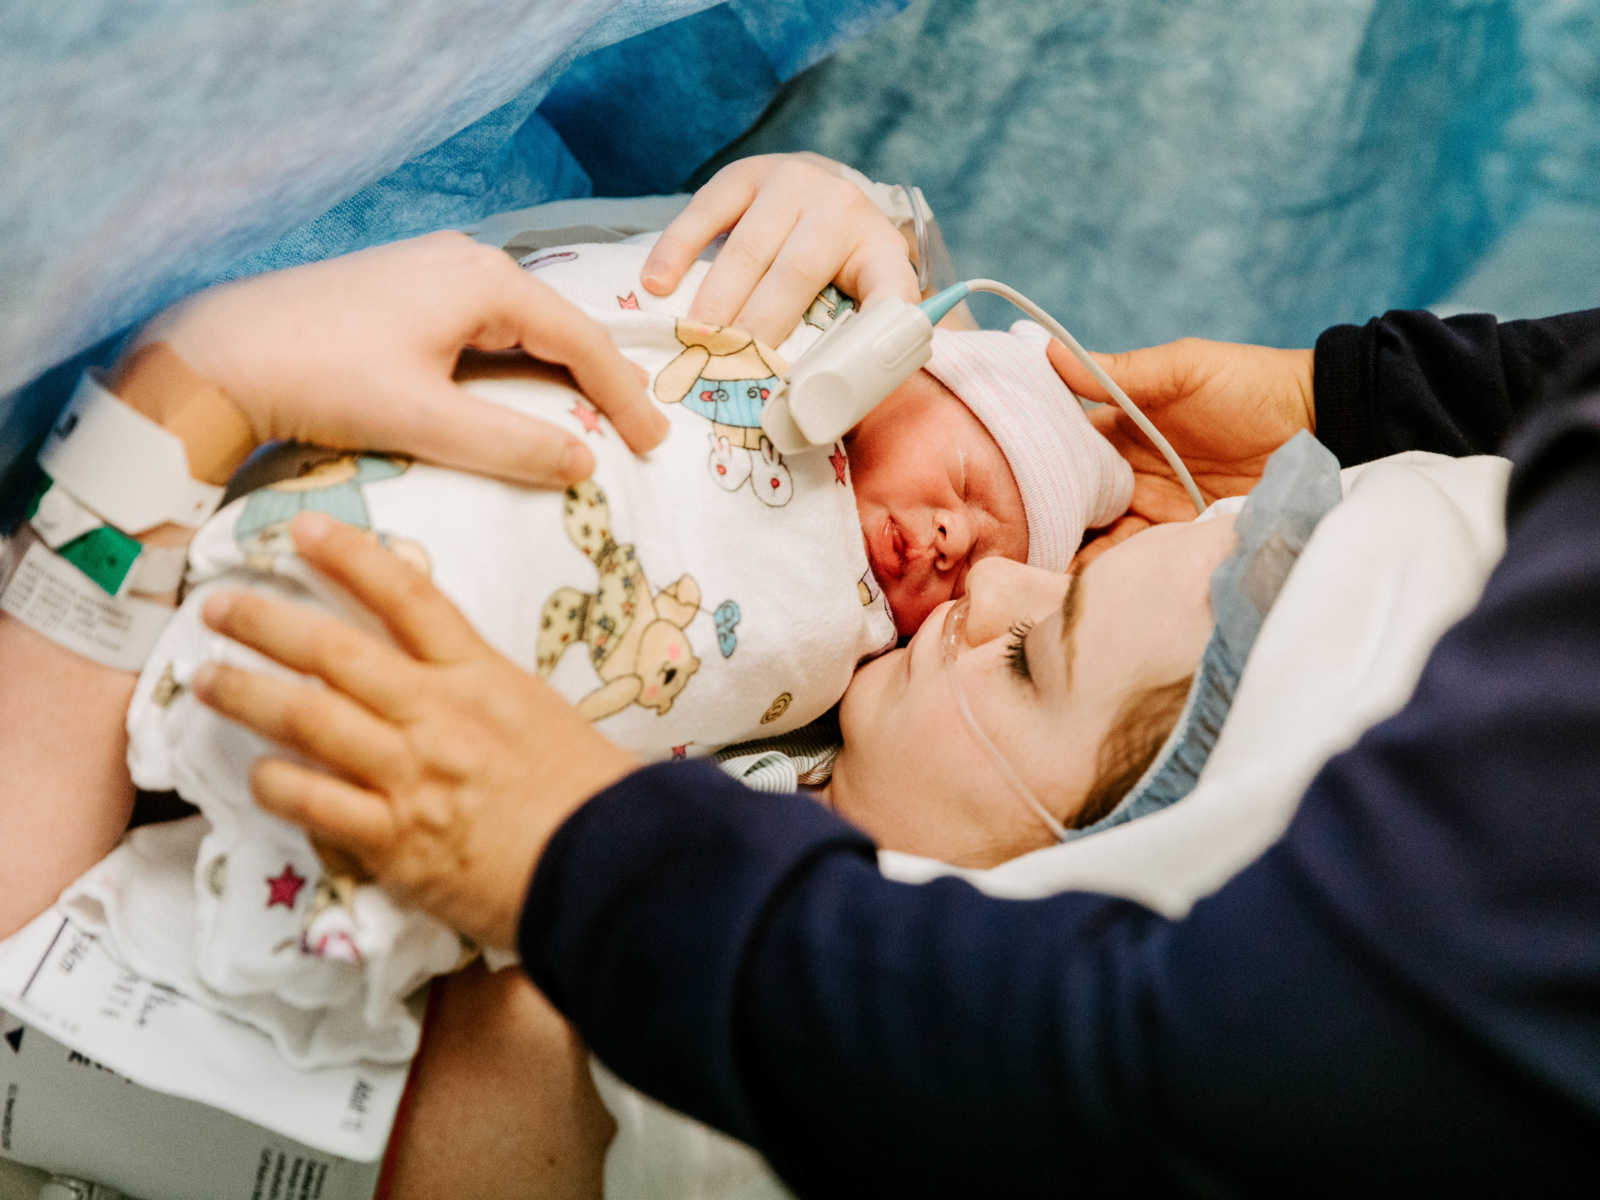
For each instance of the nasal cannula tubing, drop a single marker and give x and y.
(936, 306)
(952, 639)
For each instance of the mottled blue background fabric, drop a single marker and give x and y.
(154, 146)
(1242, 169)
(721, 69)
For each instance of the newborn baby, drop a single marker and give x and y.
(707, 593)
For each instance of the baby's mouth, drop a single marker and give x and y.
(886, 549)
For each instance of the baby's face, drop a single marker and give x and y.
(934, 494)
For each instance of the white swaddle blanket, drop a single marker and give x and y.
(709, 592)
(1403, 557)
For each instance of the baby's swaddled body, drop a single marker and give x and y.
(709, 592)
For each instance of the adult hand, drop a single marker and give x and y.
(356, 353)
(441, 767)
(1225, 408)
(796, 227)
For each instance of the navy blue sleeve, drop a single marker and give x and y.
(1401, 993)
(1456, 385)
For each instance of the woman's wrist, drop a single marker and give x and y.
(155, 380)
(114, 515)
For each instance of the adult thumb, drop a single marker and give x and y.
(1145, 375)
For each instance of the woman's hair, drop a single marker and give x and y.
(1141, 725)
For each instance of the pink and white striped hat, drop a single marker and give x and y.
(1070, 478)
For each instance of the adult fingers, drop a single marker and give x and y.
(1152, 377)
(417, 615)
(711, 211)
(879, 266)
(808, 261)
(553, 329)
(315, 722)
(314, 643)
(439, 422)
(1128, 440)
(1160, 498)
(1107, 420)
(1080, 379)
(344, 816)
(1120, 530)
(742, 263)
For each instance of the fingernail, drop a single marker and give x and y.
(653, 278)
(576, 462)
(204, 677)
(309, 525)
(215, 609)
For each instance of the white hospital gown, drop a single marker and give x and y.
(710, 592)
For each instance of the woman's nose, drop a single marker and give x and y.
(952, 538)
(1002, 592)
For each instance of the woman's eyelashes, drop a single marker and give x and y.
(1017, 651)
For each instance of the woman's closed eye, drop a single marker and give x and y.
(1017, 651)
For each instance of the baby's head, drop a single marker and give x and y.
(982, 452)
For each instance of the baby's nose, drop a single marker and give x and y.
(952, 538)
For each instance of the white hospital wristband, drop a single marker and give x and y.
(49, 594)
(123, 466)
(60, 521)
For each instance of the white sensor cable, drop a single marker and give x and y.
(995, 287)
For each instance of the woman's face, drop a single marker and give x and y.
(1046, 663)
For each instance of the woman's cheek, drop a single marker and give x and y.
(907, 741)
